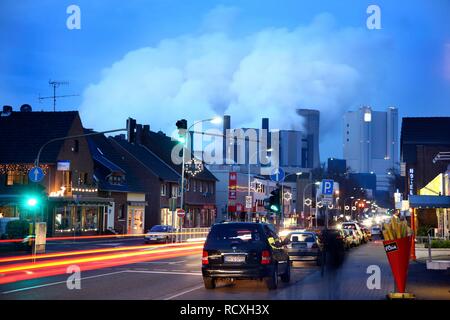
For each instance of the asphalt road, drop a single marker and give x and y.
(180, 278)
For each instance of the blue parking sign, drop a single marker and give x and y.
(327, 187)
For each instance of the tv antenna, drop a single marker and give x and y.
(56, 84)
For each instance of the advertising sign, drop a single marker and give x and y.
(63, 165)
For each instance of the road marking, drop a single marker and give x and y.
(60, 282)
(167, 272)
(184, 292)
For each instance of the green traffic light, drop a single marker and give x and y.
(32, 202)
(181, 139)
(274, 208)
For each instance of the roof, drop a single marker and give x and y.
(149, 160)
(110, 158)
(162, 145)
(23, 133)
(423, 131)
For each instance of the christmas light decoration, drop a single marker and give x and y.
(23, 168)
(193, 167)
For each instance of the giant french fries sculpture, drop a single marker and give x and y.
(397, 244)
(396, 229)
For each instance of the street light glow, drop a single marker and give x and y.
(216, 120)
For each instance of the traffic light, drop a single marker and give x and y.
(182, 128)
(273, 203)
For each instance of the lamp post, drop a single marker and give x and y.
(282, 194)
(248, 170)
(317, 183)
(215, 120)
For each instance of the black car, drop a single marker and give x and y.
(244, 250)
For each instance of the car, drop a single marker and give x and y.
(244, 250)
(160, 234)
(304, 244)
(355, 226)
(351, 238)
(376, 231)
(284, 232)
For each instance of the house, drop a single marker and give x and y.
(68, 194)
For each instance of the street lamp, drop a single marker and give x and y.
(317, 183)
(214, 120)
(282, 194)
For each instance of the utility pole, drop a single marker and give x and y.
(56, 84)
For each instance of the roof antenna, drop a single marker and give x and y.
(56, 84)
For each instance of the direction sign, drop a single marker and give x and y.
(36, 174)
(277, 175)
(327, 187)
(181, 213)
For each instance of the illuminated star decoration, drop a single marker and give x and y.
(308, 202)
(193, 167)
(287, 196)
(319, 204)
(256, 186)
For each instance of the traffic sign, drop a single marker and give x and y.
(327, 187)
(277, 175)
(181, 213)
(36, 174)
(248, 202)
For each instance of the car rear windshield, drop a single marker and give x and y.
(235, 234)
(159, 229)
(302, 237)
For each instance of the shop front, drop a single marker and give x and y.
(75, 217)
(199, 216)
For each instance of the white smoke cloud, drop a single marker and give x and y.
(269, 73)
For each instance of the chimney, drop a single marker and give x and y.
(139, 134)
(226, 126)
(7, 110)
(26, 108)
(131, 130)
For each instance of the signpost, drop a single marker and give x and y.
(36, 174)
(248, 202)
(327, 196)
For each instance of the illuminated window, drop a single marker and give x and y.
(16, 177)
(367, 116)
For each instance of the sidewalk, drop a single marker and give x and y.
(349, 281)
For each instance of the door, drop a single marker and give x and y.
(135, 221)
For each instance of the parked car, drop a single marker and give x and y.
(244, 250)
(301, 245)
(160, 233)
(351, 238)
(355, 226)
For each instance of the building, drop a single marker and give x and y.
(154, 150)
(370, 143)
(68, 191)
(422, 139)
(311, 125)
(336, 167)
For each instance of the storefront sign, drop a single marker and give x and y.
(232, 186)
(411, 181)
(63, 165)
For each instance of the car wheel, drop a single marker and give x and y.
(286, 277)
(210, 283)
(272, 280)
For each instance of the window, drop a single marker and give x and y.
(75, 146)
(188, 185)
(163, 189)
(121, 212)
(200, 186)
(16, 177)
(82, 178)
(174, 190)
(116, 180)
(194, 182)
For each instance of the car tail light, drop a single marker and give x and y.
(205, 257)
(265, 257)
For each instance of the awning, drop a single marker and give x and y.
(426, 202)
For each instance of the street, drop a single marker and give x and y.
(179, 277)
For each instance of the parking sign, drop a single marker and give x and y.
(327, 187)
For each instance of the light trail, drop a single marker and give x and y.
(91, 251)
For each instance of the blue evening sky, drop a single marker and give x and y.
(408, 64)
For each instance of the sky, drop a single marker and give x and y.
(162, 60)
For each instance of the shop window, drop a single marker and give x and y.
(64, 219)
(90, 219)
(16, 178)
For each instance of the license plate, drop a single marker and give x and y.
(234, 259)
(299, 245)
